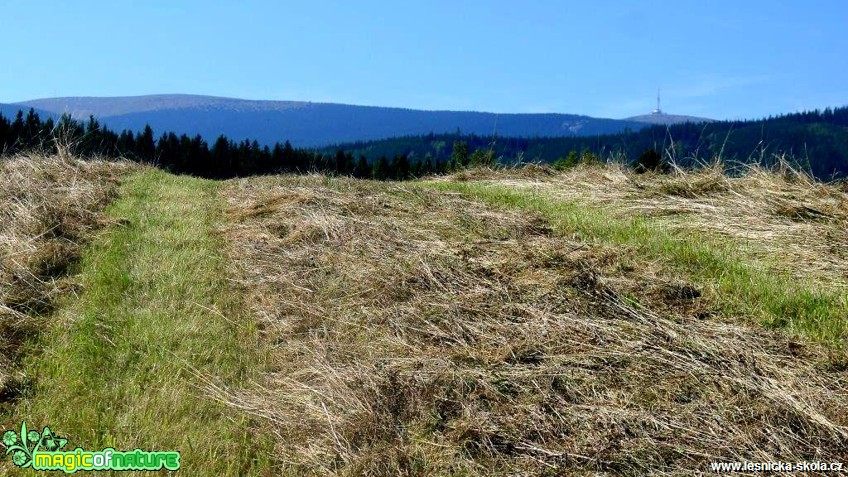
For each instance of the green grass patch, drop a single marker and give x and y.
(120, 365)
(742, 286)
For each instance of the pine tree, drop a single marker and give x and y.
(294, 162)
(400, 167)
(31, 131)
(427, 168)
(340, 163)
(5, 126)
(380, 170)
(459, 155)
(145, 145)
(91, 144)
(16, 132)
(220, 157)
(362, 171)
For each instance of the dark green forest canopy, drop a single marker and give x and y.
(817, 141)
(182, 154)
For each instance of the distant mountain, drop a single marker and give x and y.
(667, 119)
(83, 107)
(308, 124)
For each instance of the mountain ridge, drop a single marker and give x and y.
(310, 124)
(199, 99)
(667, 119)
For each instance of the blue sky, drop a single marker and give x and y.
(719, 59)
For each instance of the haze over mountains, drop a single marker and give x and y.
(307, 124)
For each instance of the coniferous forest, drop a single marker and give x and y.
(222, 159)
(817, 141)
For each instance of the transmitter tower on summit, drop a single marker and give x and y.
(658, 110)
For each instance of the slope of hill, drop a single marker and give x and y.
(82, 106)
(312, 124)
(509, 322)
(513, 323)
(816, 140)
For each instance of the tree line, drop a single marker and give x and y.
(183, 154)
(816, 140)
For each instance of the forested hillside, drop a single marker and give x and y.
(817, 140)
(308, 124)
(220, 159)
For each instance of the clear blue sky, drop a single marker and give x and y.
(720, 59)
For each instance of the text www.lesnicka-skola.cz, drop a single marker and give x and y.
(803, 466)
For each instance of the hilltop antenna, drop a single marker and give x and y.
(658, 110)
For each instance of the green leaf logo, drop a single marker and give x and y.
(22, 446)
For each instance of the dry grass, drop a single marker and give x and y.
(118, 365)
(48, 208)
(779, 215)
(416, 332)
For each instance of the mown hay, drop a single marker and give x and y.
(48, 208)
(415, 332)
(782, 216)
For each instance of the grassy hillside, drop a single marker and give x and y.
(123, 361)
(511, 322)
(770, 246)
(49, 209)
(155, 321)
(500, 323)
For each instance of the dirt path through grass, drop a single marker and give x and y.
(121, 365)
